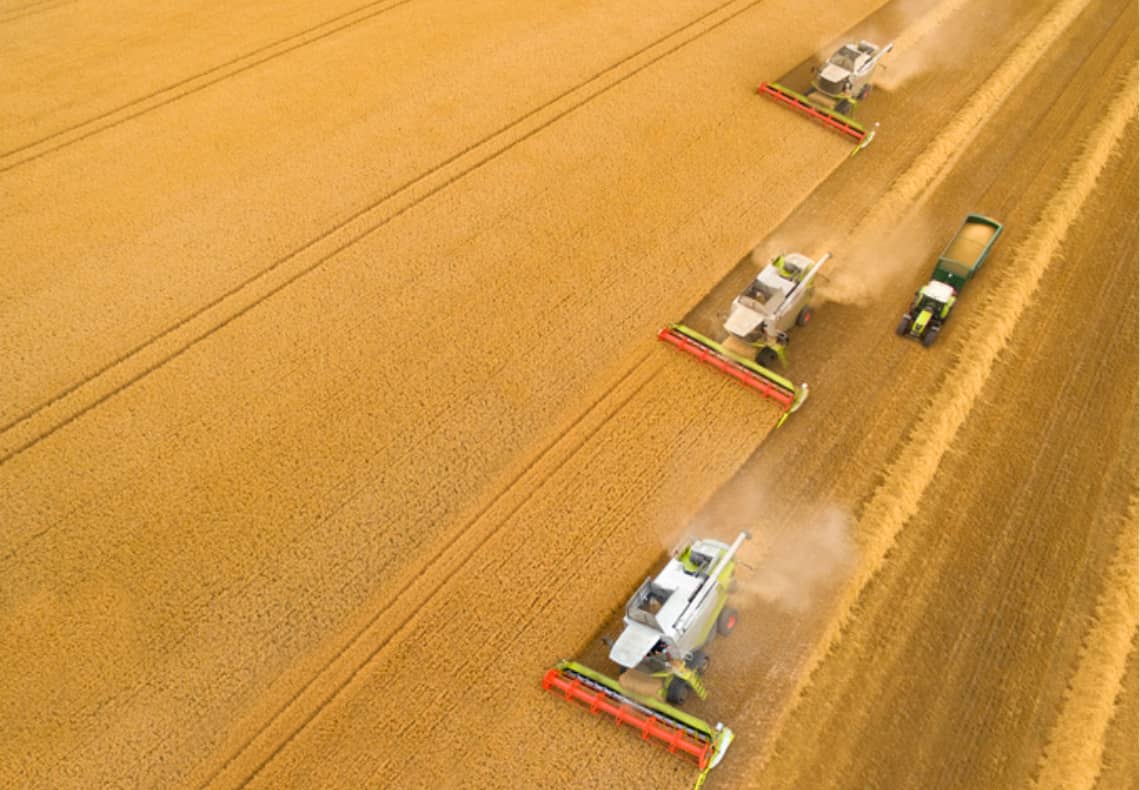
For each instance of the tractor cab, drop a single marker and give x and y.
(936, 295)
(929, 310)
(791, 266)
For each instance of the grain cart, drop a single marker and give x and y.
(758, 326)
(668, 625)
(836, 90)
(963, 256)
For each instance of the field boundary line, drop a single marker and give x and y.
(31, 151)
(458, 548)
(41, 421)
(1072, 757)
(897, 498)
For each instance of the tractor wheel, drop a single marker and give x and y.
(726, 622)
(765, 357)
(676, 692)
(804, 317)
(903, 327)
(863, 94)
(699, 661)
(930, 336)
(843, 108)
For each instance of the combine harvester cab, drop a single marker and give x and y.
(668, 623)
(758, 326)
(956, 266)
(838, 87)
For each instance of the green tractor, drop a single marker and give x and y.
(957, 264)
(928, 312)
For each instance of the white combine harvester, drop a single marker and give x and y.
(671, 618)
(668, 623)
(778, 299)
(758, 324)
(845, 79)
(836, 90)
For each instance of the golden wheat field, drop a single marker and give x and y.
(332, 410)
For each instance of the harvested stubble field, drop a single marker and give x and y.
(332, 412)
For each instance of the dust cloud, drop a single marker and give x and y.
(786, 565)
(876, 254)
(801, 562)
(876, 257)
(926, 43)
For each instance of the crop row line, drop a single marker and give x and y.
(44, 419)
(461, 547)
(28, 152)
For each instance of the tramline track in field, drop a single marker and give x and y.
(39, 422)
(30, 151)
(27, 152)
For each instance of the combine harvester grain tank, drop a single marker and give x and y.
(837, 88)
(758, 327)
(668, 624)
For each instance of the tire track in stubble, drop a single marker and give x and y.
(41, 421)
(991, 623)
(896, 500)
(195, 83)
(1087, 389)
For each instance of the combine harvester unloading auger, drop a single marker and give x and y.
(758, 327)
(836, 90)
(668, 623)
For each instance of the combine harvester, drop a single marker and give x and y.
(836, 90)
(758, 327)
(668, 624)
(957, 264)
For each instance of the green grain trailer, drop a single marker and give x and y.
(957, 264)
